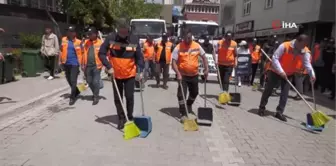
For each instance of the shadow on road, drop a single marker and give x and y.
(66, 95)
(111, 120)
(57, 109)
(9, 100)
(90, 97)
(172, 111)
(255, 111)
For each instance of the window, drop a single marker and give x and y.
(247, 7)
(268, 4)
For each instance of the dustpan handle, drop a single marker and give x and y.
(141, 97)
(117, 90)
(237, 80)
(205, 93)
(313, 93)
(184, 98)
(291, 84)
(219, 78)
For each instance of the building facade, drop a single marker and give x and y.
(254, 18)
(227, 14)
(202, 10)
(51, 5)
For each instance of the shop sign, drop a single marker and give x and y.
(244, 27)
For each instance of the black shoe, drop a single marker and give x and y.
(190, 109)
(261, 112)
(297, 97)
(280, 117)
(157, 85)
(121, 124)
(72, 101)
(165, 87)
(95, 101)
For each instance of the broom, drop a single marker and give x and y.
(318, 117)
(130, 129)
(188, 124)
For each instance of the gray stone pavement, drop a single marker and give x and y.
(56, 134)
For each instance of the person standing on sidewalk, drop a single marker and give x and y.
(328, 59)
(269, 49)
(71, 59)
(49, 50)
(1, 56)
(91, 63)
(148, 53)
(284, 62)
(256, 56)
(318, 62)
(185, 63)
(126, 64)
(163, 57)
(227, 58)
(244, 60)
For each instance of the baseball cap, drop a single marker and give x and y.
(164, 34)
(92, 30)
(243, 43)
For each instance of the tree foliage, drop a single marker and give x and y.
(104, 13)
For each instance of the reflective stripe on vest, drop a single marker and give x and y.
(226, 54)
(169, 46)
(123, 62)
(64, 50)
(188, 58)
(87, 44)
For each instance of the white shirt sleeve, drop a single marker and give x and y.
(202, 52)
(175, 53)
(307, 64)
(276, 57)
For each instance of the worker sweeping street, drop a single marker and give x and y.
(256, 57)
(91, 63)
(163, 51)
(227, 59)
(284, 61)
(185, 64)
(71, 59)
(148, 53)
(125, 64)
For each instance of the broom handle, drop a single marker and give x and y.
(184, 98)
(218, 73)
(313, 92)
(141, 96)
(117, 90)
(291, 84)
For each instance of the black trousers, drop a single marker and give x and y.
(71, 75)
(262, 73)
(254, 71)
(272, 82)
(164, 69)
(319, 77)
(92, 75)
(225, 73)
(125, 86)
(189, 83)
(49, 63)
(332, 87)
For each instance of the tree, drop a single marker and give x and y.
(103, 13)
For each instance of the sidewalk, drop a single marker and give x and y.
(25, 89)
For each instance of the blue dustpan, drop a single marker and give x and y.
(310, 124)
(143, 122)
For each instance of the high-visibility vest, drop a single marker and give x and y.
(168, 48)
(64, 50)
(289, 62)
(317, 52)
(86, 46)
(123, 62)
(226, 54)
(188, 58)
(255, 53)
(148, 51)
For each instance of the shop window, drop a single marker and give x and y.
(268, 4)
(247, 7)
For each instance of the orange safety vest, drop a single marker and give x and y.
(316, 52)
(226, 54)
(255, 53)
(169, 46)
(188, 58)
(87, 44)
(124, 65)
(289, 62)
(64, 50)
(148, 51)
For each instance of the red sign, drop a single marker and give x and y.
(276, 24)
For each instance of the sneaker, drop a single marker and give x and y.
(280, 117)
(95, 101)
(50, 78)
(239, 84)
(121, 124)
(72, 101)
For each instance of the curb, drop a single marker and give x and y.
(28, 104)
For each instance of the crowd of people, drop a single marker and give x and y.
(127, 62)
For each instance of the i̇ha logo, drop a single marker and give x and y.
(277, 24)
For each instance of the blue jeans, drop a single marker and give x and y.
(149, 69)
(93, 79)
